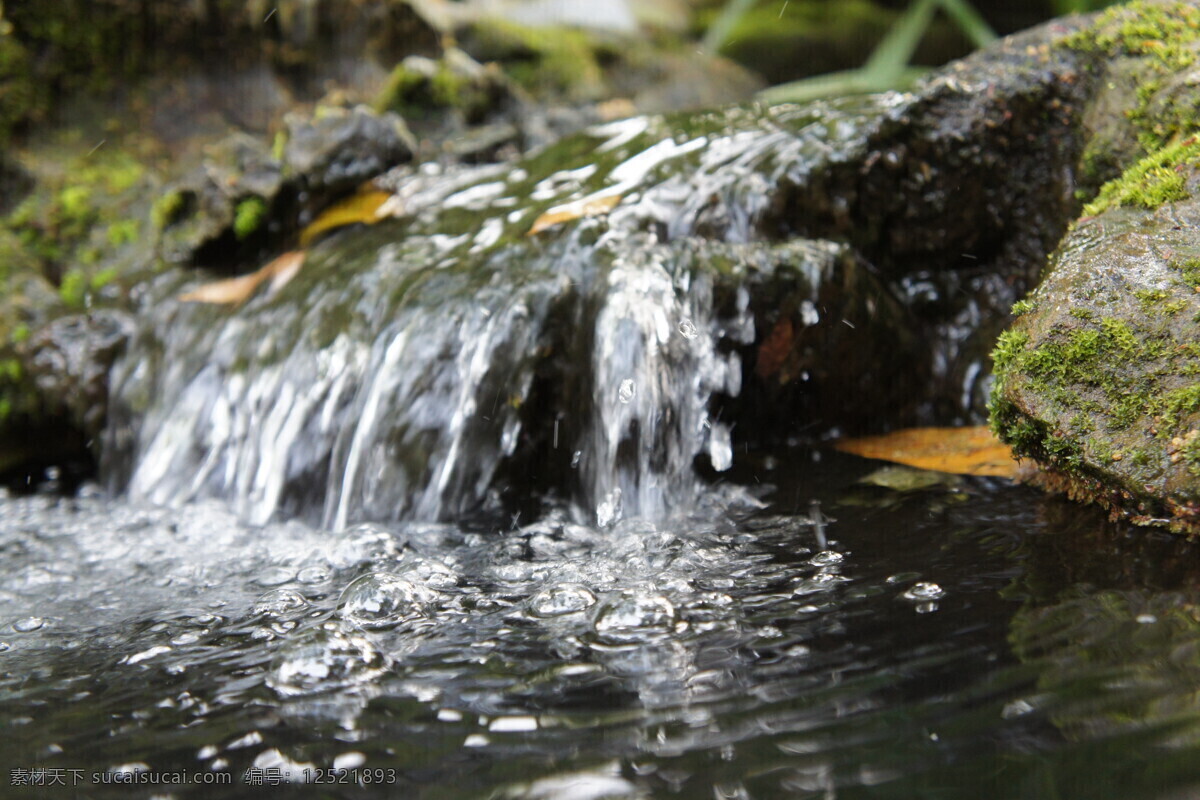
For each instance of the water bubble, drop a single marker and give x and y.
(28, 624)
(323, 660)
(826, 558)
(687, 330)
(626, 391)
(923, 591)
(379, 600)
(632, 614)
(566, 598)
(316, 573)
(5, 646)
(274, 576)
(360, 544)
(278, 602)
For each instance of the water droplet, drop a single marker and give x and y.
(146, 655)
(626, 391)
(575, 459)
(323, 660)
(826, 558)
(609, 510)
(349, 760)
(279, 602)
(134, 768)
(687, 330)
(923, 591)
(632, 614)
(566, 598)
(379, 600)
(28, 624)
(274, 576)
(1016, 708)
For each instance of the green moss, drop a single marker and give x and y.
(167, 209)
(1023, 307)
(1160, 177)
(73, 290)
(544, 60)
(1164, 37)
(248, 216)
(1177, 403)
(123, 231)
(1190, 269)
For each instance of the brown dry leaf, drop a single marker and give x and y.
(359, 208)
(962, 451)
(587, 207)
(235, 291)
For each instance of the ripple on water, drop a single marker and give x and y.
(381, 600)
(324, 660)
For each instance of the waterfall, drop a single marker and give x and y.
(414, 369)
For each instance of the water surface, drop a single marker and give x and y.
(968, 640)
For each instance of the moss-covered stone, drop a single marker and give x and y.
(547, 61)
(1100, 378)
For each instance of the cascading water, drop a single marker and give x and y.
(398, 376)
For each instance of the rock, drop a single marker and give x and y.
(1097, 379)
(244, 197)
(69, 359)
(332, 153)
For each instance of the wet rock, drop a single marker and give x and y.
(334, 152)
(246, 194)
(1097, 378)
(69, 361)
(1096, 381)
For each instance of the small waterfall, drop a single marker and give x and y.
(413, 368)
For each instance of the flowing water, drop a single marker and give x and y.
(971, 640)
(467, 510)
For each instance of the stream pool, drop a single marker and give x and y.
(966, 640)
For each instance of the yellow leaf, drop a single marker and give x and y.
(590, 206)
(235, 291)
(962, 451)
(360, 208)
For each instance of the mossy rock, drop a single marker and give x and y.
(1099, 378)
(1098, 381)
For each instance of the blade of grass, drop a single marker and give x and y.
(719, 31)
(969, 21)
(894, 52)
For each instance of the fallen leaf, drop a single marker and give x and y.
(962, 451)
(590, 206)
(235, 291)
(774, 351)
(900, 478)
(363, 207)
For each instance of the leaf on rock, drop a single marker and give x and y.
(363, 207)
(590, 206)
(235, 291)
(962, 451)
